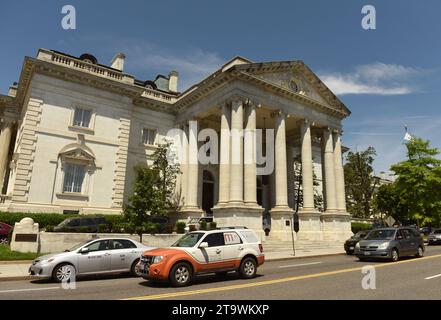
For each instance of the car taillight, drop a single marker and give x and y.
(261, 248)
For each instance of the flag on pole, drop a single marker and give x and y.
(407, 135)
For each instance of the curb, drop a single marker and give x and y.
(304, 257)
(15, 278)
(3, 262)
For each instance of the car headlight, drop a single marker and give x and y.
(158, 259)
(357, 245)
(47, 260)
(384, 245)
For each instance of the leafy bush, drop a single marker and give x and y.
(180, 227)
(203, 225)
(49, 228)
(213, 225)
(104, 228)
(50, 219)
(359, 226)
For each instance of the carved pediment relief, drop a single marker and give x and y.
(77, 152)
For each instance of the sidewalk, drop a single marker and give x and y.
(17, 270)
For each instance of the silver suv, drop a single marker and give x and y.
(390, 243)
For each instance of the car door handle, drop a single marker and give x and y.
(218, 251)
(107, 254)
(240, 248)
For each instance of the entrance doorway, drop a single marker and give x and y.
(207, 192)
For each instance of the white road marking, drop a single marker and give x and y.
(34, 289)
(300, 265)
(435, 276)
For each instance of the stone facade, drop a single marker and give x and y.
(73, 130)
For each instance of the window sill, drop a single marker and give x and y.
(72, 195)
(81, 129)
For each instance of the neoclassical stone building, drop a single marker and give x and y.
(72, 131)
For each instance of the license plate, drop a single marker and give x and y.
(367, 253)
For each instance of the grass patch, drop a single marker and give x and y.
(7, 254)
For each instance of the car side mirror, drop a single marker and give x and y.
(84, 250)
(203, 245)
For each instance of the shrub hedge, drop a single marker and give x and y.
(49, 219)
(359, 226)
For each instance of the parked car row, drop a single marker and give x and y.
(386, 243)
(216, 251)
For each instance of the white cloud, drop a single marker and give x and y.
(375, 78)
(193, 64)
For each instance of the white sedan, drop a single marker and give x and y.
(96, 256)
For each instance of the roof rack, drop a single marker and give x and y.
(233, 227)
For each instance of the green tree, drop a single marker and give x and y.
(153, 192)
(167, 169)
(142, 202)
(360, 183)
(318, 198)
(418, 183)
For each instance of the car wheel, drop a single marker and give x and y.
(248, 268)
(394, 255)
(180, 274)
(420, 252)
(134, 270)
(3, 241)
(362, 259)
(63, 273)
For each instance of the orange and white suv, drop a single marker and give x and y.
(215, 251)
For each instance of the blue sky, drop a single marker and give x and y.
(388, 77)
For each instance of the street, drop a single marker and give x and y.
(330, 277)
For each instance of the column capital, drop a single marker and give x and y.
(280, 113)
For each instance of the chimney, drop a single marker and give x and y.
(173, 81)
(13, 90)
(118, 62)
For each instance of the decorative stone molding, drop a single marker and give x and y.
(121, 162)
(26, 152)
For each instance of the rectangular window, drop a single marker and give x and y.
(82, 117)
(73, 177)
(148, 136)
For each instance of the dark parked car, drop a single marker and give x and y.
(426, 230)
(390, 243)
(81, 224)
(161, 221)
(352, 241)
(435, 237)
(4, 232)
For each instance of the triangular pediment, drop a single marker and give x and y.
(294, 76)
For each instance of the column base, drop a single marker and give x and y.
(336, 226)
(309, 225)
(235, 214)
(281, 220)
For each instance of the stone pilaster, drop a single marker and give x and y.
(307, 168)
(5, 142)
(330, 194)
(339, 174)
(250, 178)
(236, 167)
(119, 176)
(192, 168)
(224, 156)
(27, 141)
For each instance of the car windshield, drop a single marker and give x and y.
(380, 234)
(189, 240)
(360, 234)
(65, 222)
(75, 247)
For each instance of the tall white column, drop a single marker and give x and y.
(250, 171)
(5, 141)
(331, 200)
(236, 168)
(280, 163)
(184, 163)
(193, 165)
(307, 167)
(339, 174)
(224, 154)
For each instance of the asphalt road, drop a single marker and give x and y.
(331, 277)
